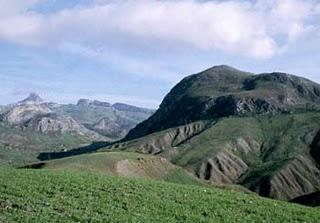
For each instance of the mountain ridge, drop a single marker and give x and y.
(222, 91)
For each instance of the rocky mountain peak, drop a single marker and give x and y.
(33, 98)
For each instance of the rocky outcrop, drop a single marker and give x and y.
(53, 123)
(25, 112)
(231, 105)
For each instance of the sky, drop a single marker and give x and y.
(135, 51)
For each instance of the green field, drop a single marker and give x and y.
(62, 196)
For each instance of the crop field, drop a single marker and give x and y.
(73, 196)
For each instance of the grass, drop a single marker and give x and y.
(21, 146)
(61, 196)
(133, 165)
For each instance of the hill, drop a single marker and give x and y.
(62, 196)
(133, 165)
(229, 126)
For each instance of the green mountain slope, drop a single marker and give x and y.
(267, 154)
(228, 126)
(62, 196)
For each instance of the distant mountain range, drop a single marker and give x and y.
(88, 120)
(112, 121)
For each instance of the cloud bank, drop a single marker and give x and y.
(256, 29)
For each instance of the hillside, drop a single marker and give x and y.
(228, 126)
(62, 196)
(132, 165)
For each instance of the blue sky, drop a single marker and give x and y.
(136, 51)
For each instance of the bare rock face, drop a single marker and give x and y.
(231, 105)
(52, 123)
(24, 112)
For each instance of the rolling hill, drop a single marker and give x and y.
(126, 164)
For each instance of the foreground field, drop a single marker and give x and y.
(70, 196)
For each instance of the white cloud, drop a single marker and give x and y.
(245, 28)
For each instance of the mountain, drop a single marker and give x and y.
(33, 98)
(32, 126)
(22, 113)
(223, 91)
(113, 121)
(227, 126)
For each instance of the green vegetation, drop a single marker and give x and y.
(263, 145)
(133, 165)
(20, 146)
(62, 196)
